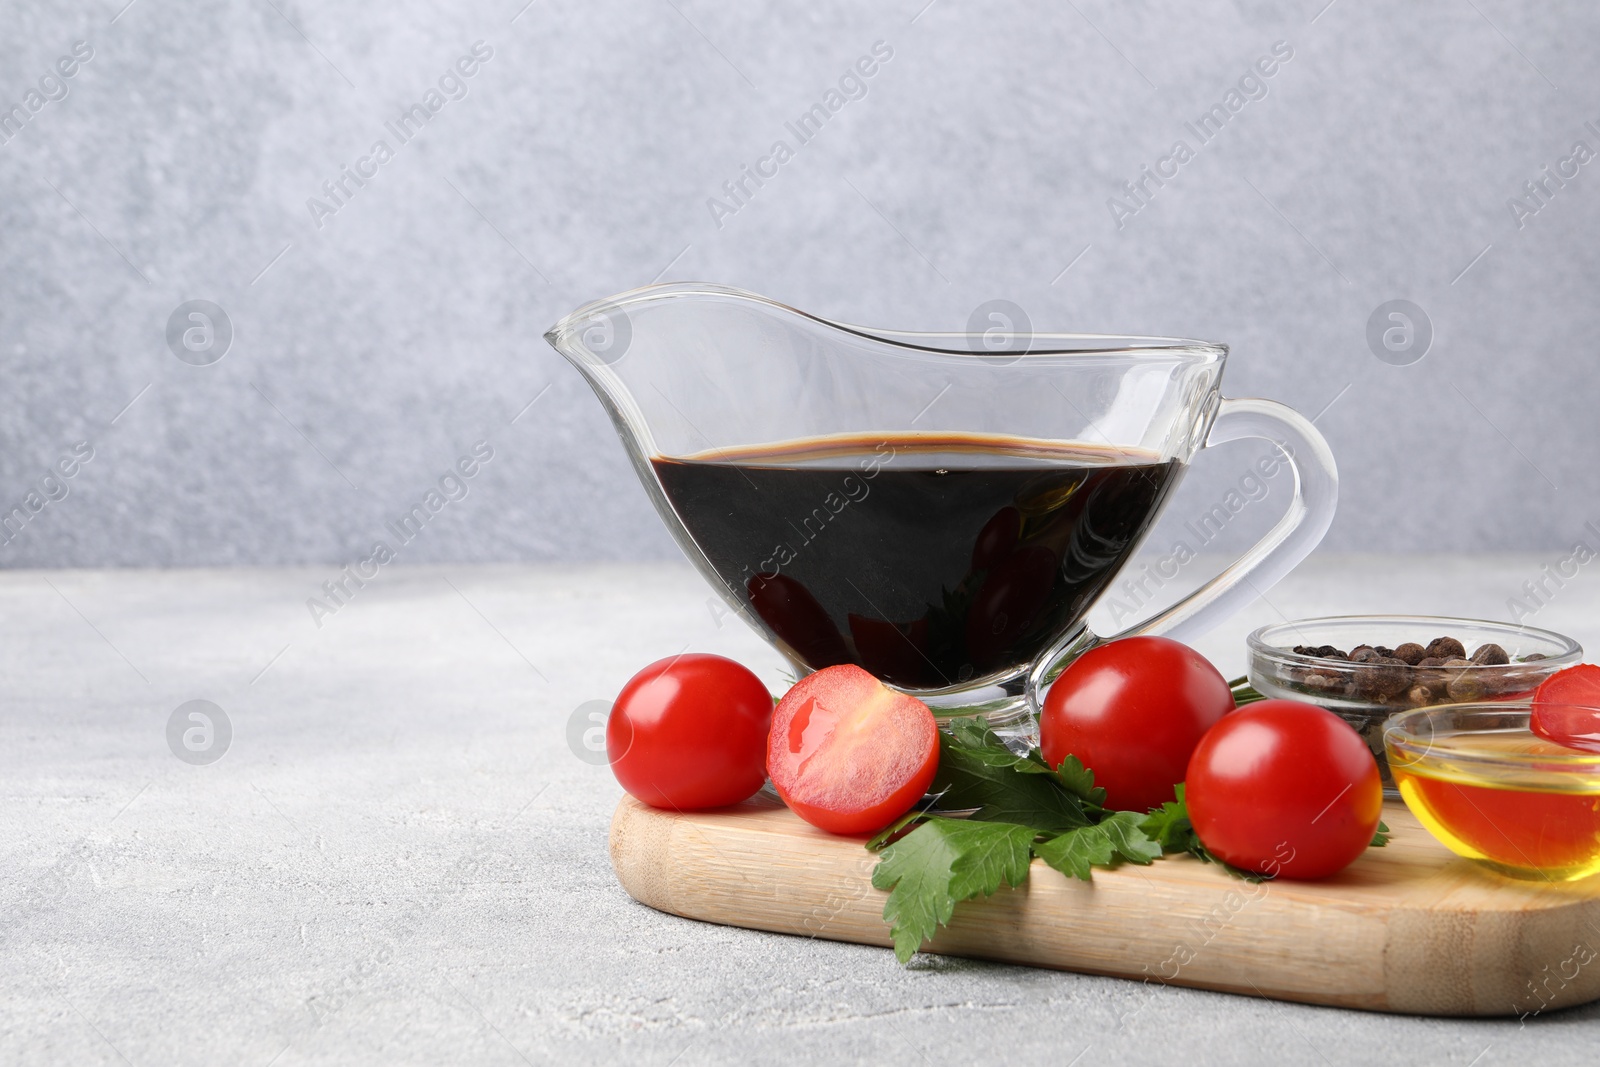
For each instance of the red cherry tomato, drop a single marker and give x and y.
(1133, 711)
(1284, 789)
(849, 754)
(1566, 708)
(690, 732)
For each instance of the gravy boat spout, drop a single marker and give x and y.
(941, 509)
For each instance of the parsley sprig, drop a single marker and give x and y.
(994, 811)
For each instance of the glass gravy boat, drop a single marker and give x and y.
(942, 509)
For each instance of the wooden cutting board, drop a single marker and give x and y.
(1408, 928)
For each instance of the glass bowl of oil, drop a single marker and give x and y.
(1493, 791)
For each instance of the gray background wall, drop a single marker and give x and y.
(370, 352)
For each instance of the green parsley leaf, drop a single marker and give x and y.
(1118, 837)
(1078, 780)
(1169, 825)
(984, 776)
(941, 862)
(979, 736)
(979, 741)
(1380, 838)
(884, 836)
(993, 854)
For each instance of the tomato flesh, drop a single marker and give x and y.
(1284, 789)
(847, 753)
(1566, 708)
(690, 732)
(1133, 712)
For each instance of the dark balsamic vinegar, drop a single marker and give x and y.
(928, 559)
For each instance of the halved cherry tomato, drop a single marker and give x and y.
(1284, 789)
(849, 754)
(690, 732)
(1566, 708)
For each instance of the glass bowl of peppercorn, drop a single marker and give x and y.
(1365, 668)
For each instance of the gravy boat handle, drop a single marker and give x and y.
(1280, 550)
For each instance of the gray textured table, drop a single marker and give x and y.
(399, 858)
